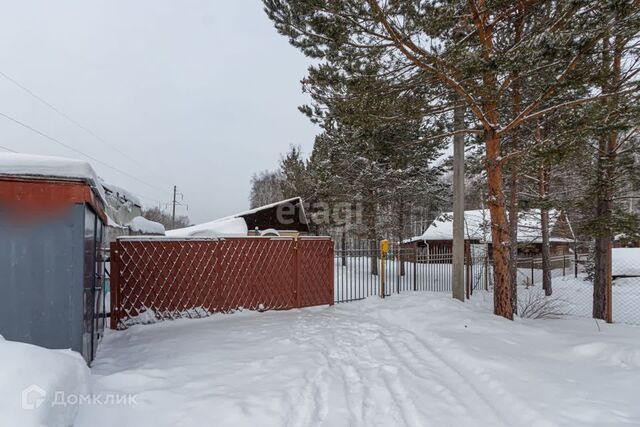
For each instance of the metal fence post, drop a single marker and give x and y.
(382, 275)
(384, 249)
(296, 258)
(467, 261)
(114, 284)
(398, 266)
(532, 279)
(486, 269)
(415, 268)
(564, 265)
(331, 266)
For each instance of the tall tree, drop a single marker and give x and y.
(266, 187)
(421, 41)
(295, 177)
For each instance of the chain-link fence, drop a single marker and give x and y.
(359, 272)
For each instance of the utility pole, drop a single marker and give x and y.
(458, 202)
(173, 214)
(177, 201)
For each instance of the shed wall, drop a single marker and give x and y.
(41, 276)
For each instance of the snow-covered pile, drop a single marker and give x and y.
(142, 225)
(626, 261)
(30, 377)
(219, 228)
(30, 165)
(121, 193)
(410, 360)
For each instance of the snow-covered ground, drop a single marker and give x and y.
(412, 359)
(626, 262)
(354, 280)
(576, 297)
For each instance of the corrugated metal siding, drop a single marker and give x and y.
(41, 279)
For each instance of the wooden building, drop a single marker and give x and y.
(438, 237)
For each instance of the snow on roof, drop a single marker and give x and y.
(112, 223)
(218, 228)
(477, 226)
(121, 192)
(232, 225)
(140, 224)
(269, 206)
(625, 261)
(31, 165)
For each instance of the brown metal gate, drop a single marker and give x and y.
(154, 279)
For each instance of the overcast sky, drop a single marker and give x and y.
(198, 93)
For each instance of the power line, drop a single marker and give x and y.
(8, 149)
(50, 138)
(70, 119)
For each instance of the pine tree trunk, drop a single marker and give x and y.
(543, 182)
(499, 228)
(516, 99)
(513, 234)
(372, 235)
(604, 211)
(602, 275)
(373, 245)
(606, 169)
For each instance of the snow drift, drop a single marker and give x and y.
(31, 376)
(142, 225)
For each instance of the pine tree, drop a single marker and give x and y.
(466, 48)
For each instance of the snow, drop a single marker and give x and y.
(31, 376)
(121, 193)
(294, 200)
(626, 262)
(477, 226)
(233, 225)
(224, 227)
(31, 165)
(112, 223)
(142, 225)
(574, 295)
(412, 359)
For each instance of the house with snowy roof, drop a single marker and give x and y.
(283, 218)
(477, 230)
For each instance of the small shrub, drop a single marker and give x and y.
(534, 305)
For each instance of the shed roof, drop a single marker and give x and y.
(263, 217)
(50, 167)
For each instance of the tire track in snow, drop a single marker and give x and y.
(401, 398)
(362, 373)
(356, 361)
(443, 375)
(310, 406)
(353, 360)
(473, 381)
